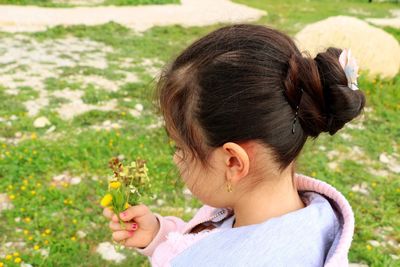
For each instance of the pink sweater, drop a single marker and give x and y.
(173, 237)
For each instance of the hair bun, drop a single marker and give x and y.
(343, 104)
(327, 103)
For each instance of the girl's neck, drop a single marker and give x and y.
(267, 202)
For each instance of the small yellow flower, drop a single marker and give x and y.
(27, 219)
(126, 205)
(36, 247)
(369, 247)
(47, 231)
(23, 187)
(65, 201)
(4, 145)
(15, 254)
(8, 257)
(46, 242)
(34, 152)
(74, 221)
(33, 136)
(1, 264)
(115, 185)
(64, 184)
(30, 237)
(373, 184)
(106, 200)
(26, 232)
(22, 209)
(123, 113)
(10, 186)
(25, 181)
(313, 174)
(73, 238)
(33, 192)
(12, 197)
(8, 153)
(17, 260)
(38, 184)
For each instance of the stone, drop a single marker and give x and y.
(374, 49)
(41, 122)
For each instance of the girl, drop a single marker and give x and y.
(240, 103)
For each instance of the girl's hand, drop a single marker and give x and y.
(141, 226)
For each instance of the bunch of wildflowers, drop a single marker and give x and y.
(127, 185)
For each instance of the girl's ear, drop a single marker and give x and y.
(236, 161)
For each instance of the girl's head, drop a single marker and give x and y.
(229, 101)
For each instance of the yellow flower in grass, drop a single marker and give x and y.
(30, 238)
(27, 219)
(1, 264)
(17, 260)
(36, 247)
(15, 254)
(8, 257)
(47, 231)
(12, 197)
(126, 205)
(115, 185)
(106, 200)
(73, 238)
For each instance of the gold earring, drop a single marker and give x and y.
(229, 187)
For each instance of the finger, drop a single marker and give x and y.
(121, 235)
(108, 213)
(134, 211)
(128, 226)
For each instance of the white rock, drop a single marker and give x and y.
(75, 180)
(374, 243)
(363, 39)
(41, 122)
(333, 165)
(17, 219)
(25, 264)
(5, 202)
(59, 177)
(361, 188)
(322, 148)
(160, 202)
(44, 252)
(383, 158)
(81, 234)
(13, 117)
(51, 129)
(139, 107)
(394, 257)
(107, 252)
(332, 154)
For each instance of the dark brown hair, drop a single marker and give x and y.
(243, 82)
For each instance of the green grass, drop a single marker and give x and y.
(26, 169)
(50, 3)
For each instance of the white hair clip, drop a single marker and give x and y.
(350, 67)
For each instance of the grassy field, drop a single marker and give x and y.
(56, 222)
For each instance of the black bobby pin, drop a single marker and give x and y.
(297, 109)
